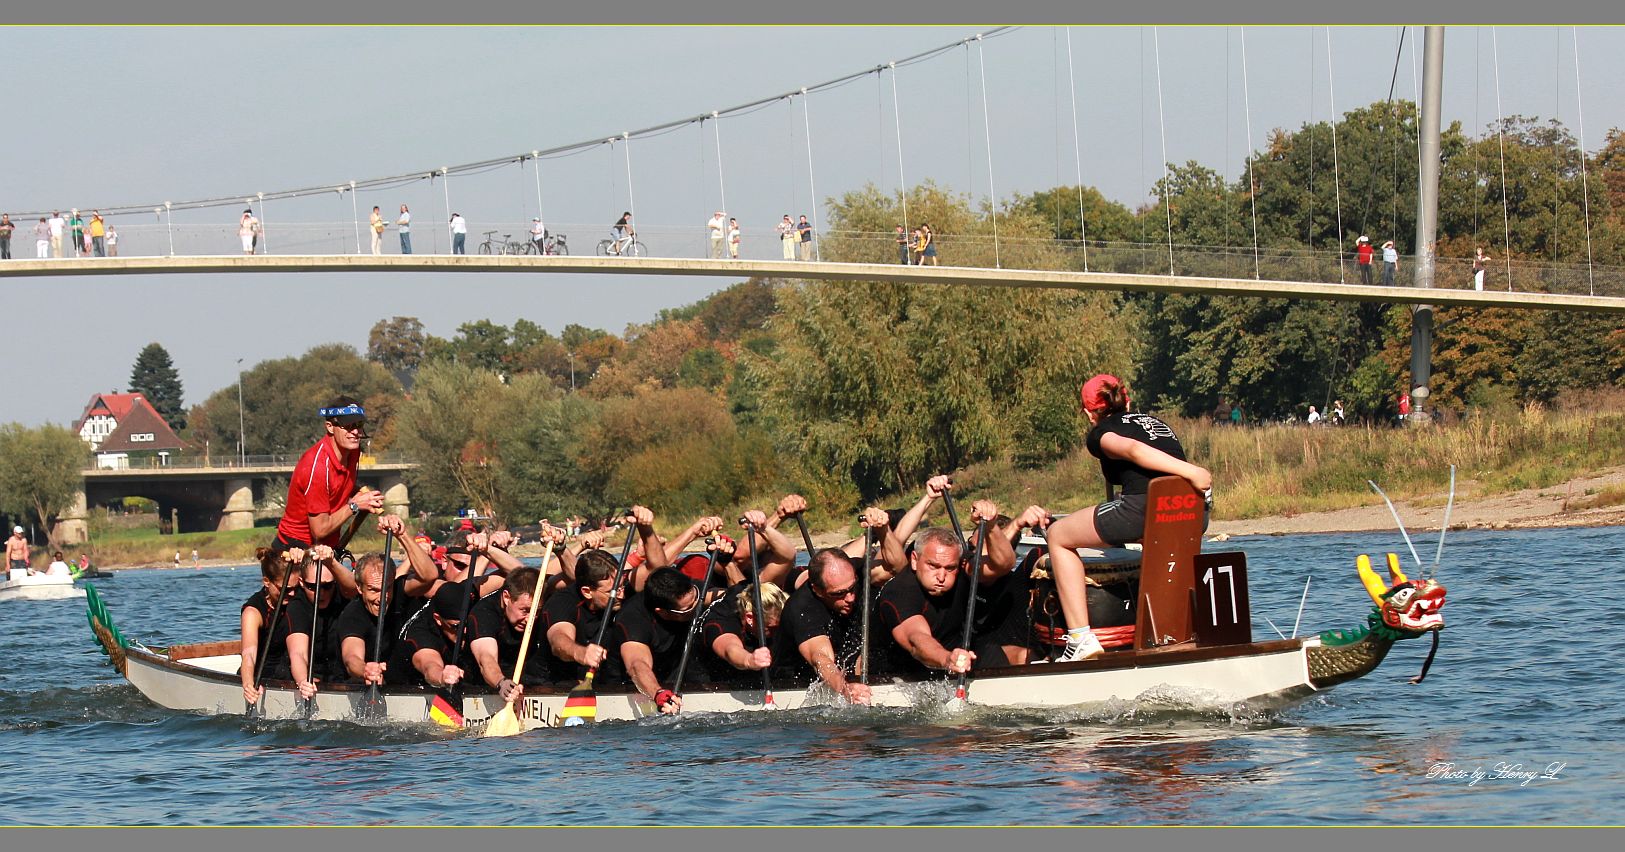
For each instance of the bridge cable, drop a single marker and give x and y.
(699, 193)
(262, 217)
(1252, 187)
(1337, 186)
(812, 188)
(169, 226)
(1500, 136)
(536, 165)
(355, 217)
(631, 197)
(970, 153)
(1077, 150)
(1162, 130)
(1585, 189)
(1557, 116)
(897, 120)
(445, 188)
(722, 187)
(790, 134)
(1309, 130)
(1055, 119)
(987, 136)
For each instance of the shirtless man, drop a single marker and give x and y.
(17, 558)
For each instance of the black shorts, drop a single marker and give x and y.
(1121, 521)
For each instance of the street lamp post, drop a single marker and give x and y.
(241, 458)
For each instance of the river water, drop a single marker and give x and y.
(1527, 677)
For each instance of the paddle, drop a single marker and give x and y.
(386, 580)
(448, 702)
(581, 705)
(506, 722)
(805, 537)
(953, 516)
(254, 710)
(868, 565)
(958, 701)
(688, 640)
(307, 705)
(761, 617)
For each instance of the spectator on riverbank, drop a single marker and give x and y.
(1314, 416)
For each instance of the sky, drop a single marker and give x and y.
(150, 114)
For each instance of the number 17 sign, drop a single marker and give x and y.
(1223, 612)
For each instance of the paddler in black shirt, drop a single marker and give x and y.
(728, 632)
(277, 571)
(422, 657)
(817, 632)
(308, 617)
(1133, 449)
(496, 627)
(571, 616)
(922, 612)
(357, 625)
(648, 634)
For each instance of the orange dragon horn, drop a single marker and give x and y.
(1393, 570)
(1373, 585)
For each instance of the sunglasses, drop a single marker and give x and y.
(849, 591)
(685, 610)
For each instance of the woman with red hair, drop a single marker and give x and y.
(1133, 449)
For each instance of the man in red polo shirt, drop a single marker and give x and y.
(322, 494)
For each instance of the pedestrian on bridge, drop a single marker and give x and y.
(1480, 263)
(112, 241)
(806, 232)
(902, 246)
(718, 227)
(733, 238)
(377, 225)
(459, 234)
(42, 239)
(56, 223)
(405, 224)
(1362, 258)
(787, 236)
(5, 236)
(248, 229)
(98, 234)
(1390, 263)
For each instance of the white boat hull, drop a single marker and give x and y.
(21, 586)
(1261, 675)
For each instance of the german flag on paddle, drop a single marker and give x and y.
(441, 711)
(581, 705)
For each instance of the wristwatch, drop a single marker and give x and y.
(354, 509)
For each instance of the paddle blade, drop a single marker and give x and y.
(504, 724)
(581, 705)
(441, 711)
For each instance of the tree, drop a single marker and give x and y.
(155, 378)
(281, 399)
(40, 471)
(397, 344)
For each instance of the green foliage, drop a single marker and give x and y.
(281, 398)
(397, 344)
(40, 471)
(1104, 220)
(154, 377)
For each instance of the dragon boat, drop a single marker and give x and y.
(1190, 638)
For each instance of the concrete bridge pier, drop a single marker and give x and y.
(238, 513)
(397, 500)
(73, 525)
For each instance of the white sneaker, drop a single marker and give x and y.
(1086, 647)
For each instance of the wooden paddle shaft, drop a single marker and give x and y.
(530, 617)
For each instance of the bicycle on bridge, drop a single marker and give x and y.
(508, 245)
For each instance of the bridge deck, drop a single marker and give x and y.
(973, 276)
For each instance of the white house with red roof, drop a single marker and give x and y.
(115, 425)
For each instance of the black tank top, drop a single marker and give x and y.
(1144, 428)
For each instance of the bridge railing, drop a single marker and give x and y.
(156, 239)
(217, 462)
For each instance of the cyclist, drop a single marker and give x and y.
(538, 235)
(622, 233)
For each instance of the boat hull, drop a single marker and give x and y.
(38, 587)
(1259, 676)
